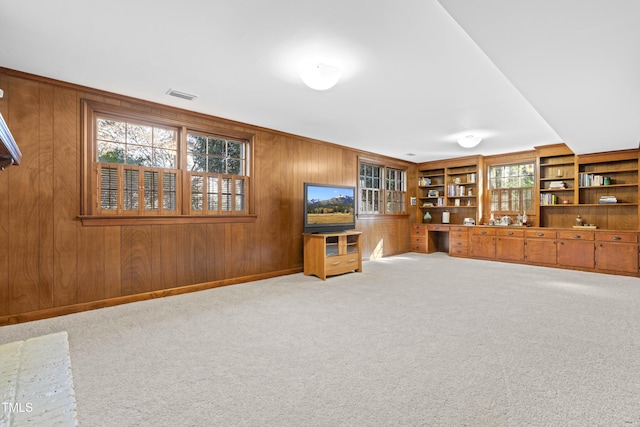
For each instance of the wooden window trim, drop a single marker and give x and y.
(89, 215)
(382, 190)
(98, 220)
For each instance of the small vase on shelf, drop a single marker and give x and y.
(427, 218)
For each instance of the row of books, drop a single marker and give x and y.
(552, 199)
(456, 190)
(548, 199)
(592, 180)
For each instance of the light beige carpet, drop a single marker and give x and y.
(36, 385)
(413, 340)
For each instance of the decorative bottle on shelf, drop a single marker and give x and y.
(426, 218)
(578, 221)
(524, 219)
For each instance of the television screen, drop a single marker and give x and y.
(329, 208)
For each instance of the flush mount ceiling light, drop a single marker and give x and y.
(469, 141)
(320, 76)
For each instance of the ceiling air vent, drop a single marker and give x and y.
(181, 95)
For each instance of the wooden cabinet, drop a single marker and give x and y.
(616, 252)
(419, 238)
(576, 249)
(428, 238)
(510, 244)
(574, 184)
(331, 254)
(482, 242)
(431, 187)
(540, 247)
(459, 240)
(452, 185)
(556, 175)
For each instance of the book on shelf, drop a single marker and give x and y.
(554, 185)
(593, 180)
(548, 199)
(454, 190)
(607, 200)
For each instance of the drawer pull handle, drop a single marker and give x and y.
(484, 232)
(511, 233)
(335, 263)
(616, 238)
(540, 234)
(577, 236)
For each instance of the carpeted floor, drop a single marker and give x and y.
(413, 340)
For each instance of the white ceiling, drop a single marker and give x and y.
(417, 74)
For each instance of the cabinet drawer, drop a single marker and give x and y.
(418, 240)
(416, 247)
(419, 230)
(506, 232)
(458, 243)
(617, 237)
(458, 234)
(341, 263)
(459, 251)
(576, 235)
(540, 234)
(483, 231)
(437, 227)
(459, 228)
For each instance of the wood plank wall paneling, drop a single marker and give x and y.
(51, 262)
(66, 196)
(23, 260)
(46, 199)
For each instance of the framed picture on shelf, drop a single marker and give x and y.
(433, 193)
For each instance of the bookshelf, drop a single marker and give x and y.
(600, 187)
(557, 178)
(453, 186)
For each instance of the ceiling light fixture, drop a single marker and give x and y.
(469, 141)
(320, 76)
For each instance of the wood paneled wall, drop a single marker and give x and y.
(51, 264)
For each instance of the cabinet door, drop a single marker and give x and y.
(617, 257)
(576, 253)
(510, 248)
(483, 246)
(540, 251)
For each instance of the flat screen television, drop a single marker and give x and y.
(329, 208)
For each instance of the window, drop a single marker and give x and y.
(511, 188)
(145, 166)
(382, 190)
(137, 167)
(217, 173)
(395, 191)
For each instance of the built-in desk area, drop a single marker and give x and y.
(588, 249)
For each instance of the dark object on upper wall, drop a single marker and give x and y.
(9, 152)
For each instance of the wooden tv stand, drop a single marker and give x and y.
(332, 253)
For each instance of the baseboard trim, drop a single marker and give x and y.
(13, 319)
